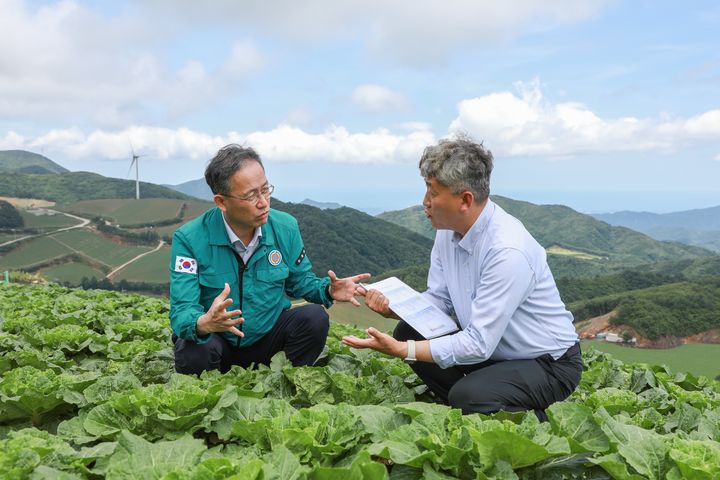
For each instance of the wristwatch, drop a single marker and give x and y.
(411, 352)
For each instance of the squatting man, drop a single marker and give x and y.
(516, 348)
(231, 269)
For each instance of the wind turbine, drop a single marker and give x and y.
(137, 171)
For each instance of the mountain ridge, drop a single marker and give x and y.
(22, 161)
(578, 244)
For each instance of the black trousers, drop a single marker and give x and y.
(300, 332)
(491, 386)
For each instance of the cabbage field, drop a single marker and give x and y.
(88, 391)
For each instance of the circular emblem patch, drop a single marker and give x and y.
(275, 257)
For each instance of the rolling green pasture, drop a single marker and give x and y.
(196, 208)
(6, 237)
(33, 252)
(152, 268)
(128, 211)
(70, 272)
(697, 358)
(99, 248)
(47, 221)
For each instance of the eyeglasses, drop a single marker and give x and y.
(254, 196)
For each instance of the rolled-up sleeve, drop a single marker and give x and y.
(506, 281)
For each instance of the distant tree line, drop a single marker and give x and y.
(123, 286)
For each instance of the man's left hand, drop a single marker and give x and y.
(343, 289)
(377, 340)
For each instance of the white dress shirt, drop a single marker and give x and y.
(497, 282)
(244, 251)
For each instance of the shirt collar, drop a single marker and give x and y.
(473, 235)
(234, 238)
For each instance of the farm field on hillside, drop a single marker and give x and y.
(47, 222)
(556, 250)
(152, 268)
(128, 211)
(6, 237)
(698, 358)
(33, 252)
(70, 272)
(100, 248)
(88, 391)
(196, 208)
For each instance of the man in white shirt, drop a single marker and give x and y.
(516, 348)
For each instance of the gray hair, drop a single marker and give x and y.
(228, 160)
(460, 164)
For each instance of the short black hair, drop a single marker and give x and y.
(228, 160)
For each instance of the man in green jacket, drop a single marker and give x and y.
(229, 273)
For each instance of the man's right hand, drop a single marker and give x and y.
(377, 302)
(218, 319)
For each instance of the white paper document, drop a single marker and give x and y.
(412, 307)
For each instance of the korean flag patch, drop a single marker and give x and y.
(186, 265)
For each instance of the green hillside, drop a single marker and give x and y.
(578, 244)
(670, 310)
(644, 276)
(129, 211)
(21, 161)
(74, 186)
(349, 241)
(412, 218)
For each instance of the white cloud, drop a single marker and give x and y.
(244, 59)
(63, 61)
(410, 32)
(413, 126)
(378, 99)
(284, 143)
(526, 124)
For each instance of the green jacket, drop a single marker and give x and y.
(203, 260)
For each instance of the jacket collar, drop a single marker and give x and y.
(217, 234)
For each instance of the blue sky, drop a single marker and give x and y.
(599, 105)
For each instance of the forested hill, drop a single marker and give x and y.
(349, 241)
(578, 244)
(21, 161)
(74, 186)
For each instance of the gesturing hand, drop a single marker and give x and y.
(218, 319)
(344, 289)
(377, 302)
(377, 340)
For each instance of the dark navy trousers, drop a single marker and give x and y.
(491, 386)
(300, 332)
